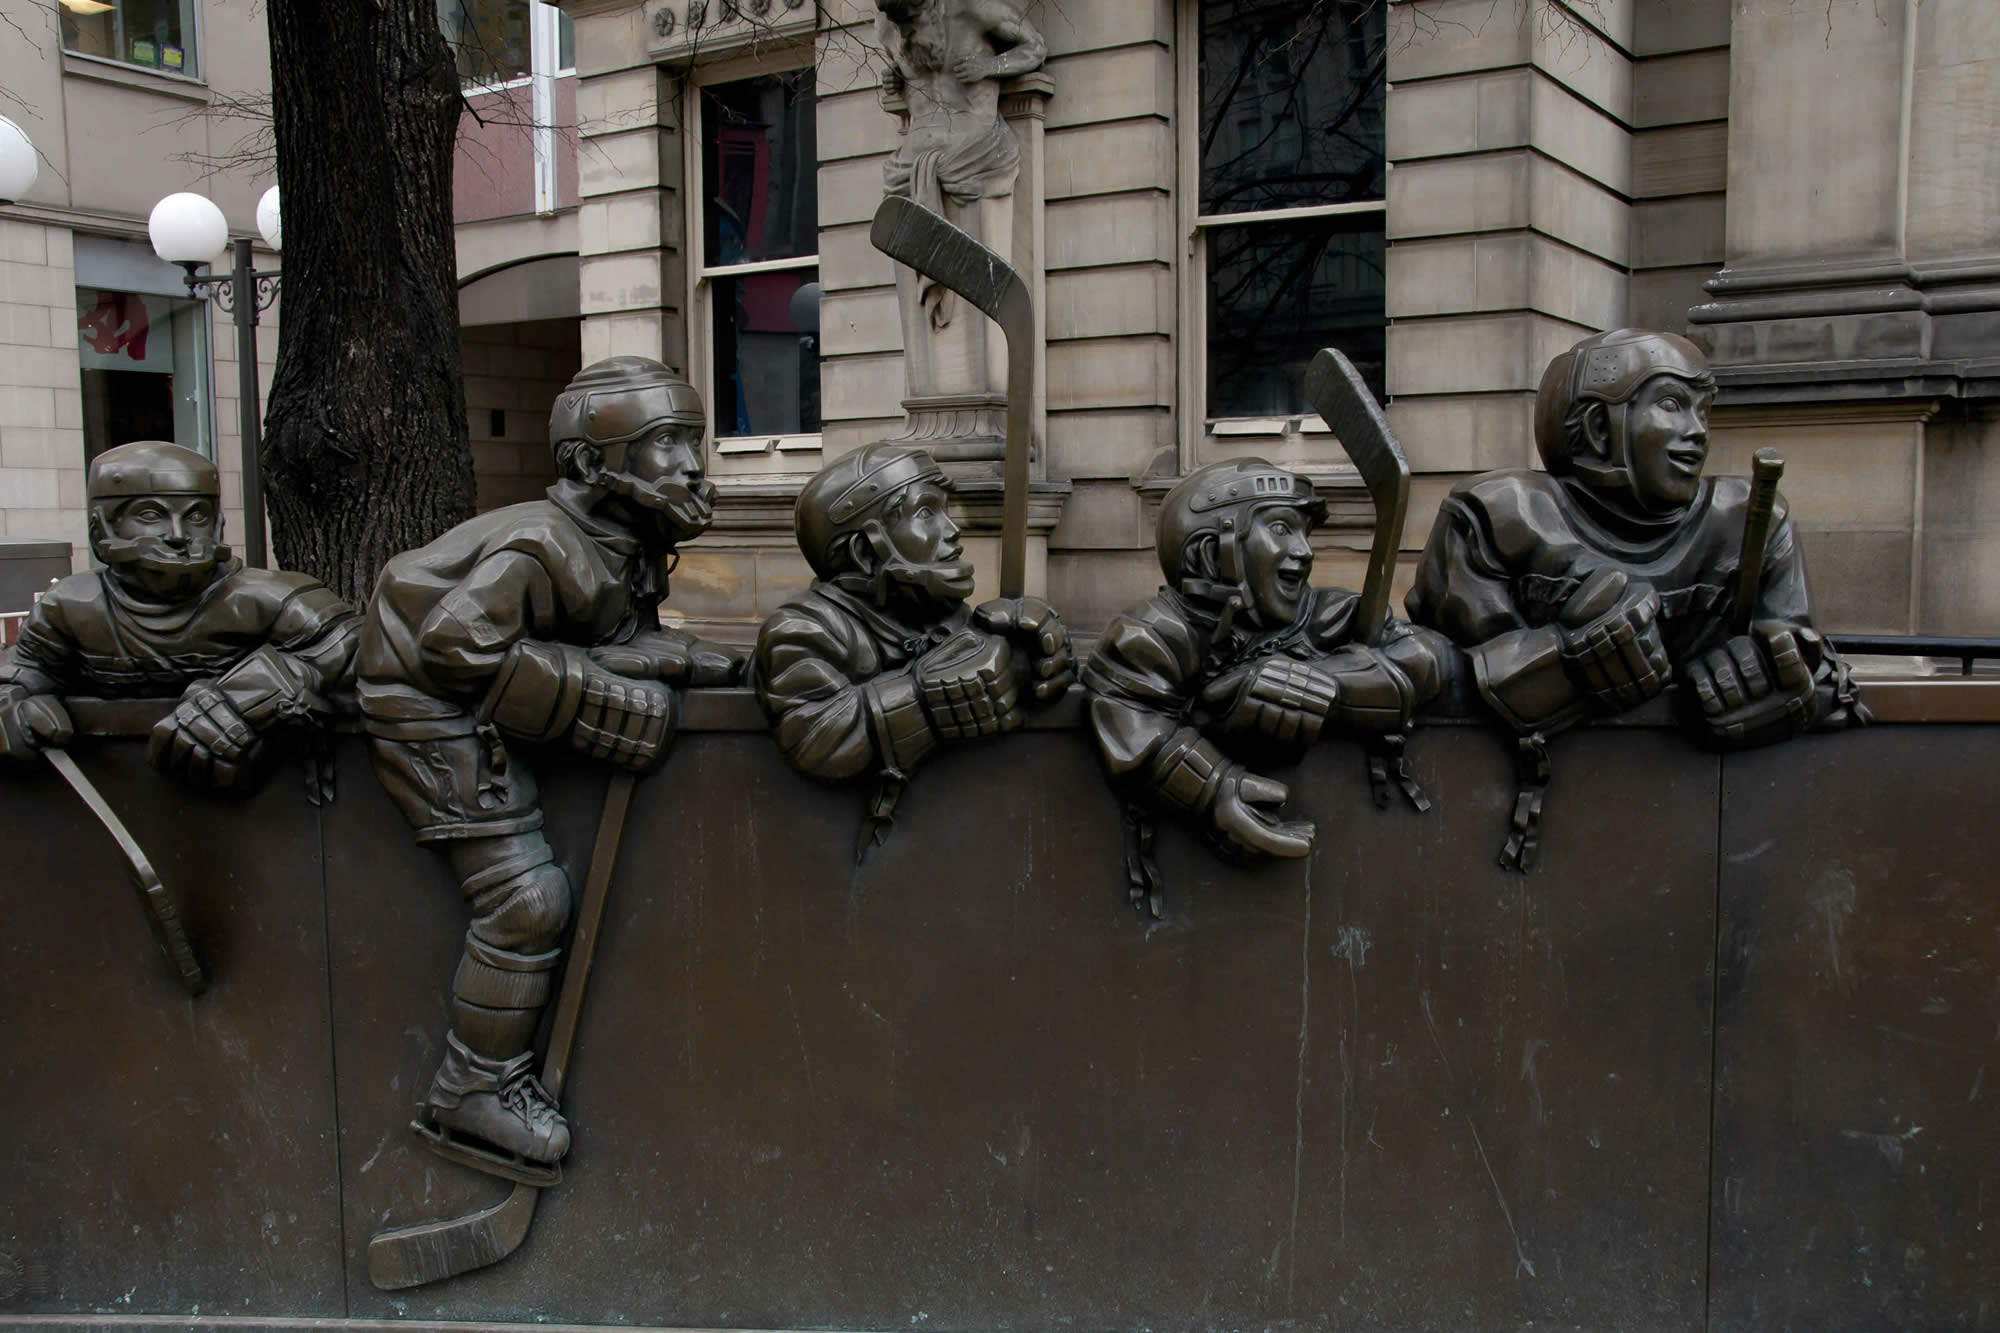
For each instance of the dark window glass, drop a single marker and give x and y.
(1291, 103)
(766, 353)
(761, 162)
(565, 42)
(1280, 291)
(490, 39)
(158, 34)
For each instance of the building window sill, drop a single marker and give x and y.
(135, 76)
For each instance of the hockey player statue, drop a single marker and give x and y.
(1239, 662)
(881, 661)
(1591, 587)
(533, 623)
(249, 652)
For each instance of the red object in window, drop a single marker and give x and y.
(117, 324)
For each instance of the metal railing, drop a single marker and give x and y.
(1964, 651)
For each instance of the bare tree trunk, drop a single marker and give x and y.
(365, 451)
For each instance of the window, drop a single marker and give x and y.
(158, 34)
(502, 41)
(1286, 224)
(758, 265)
(144, 369)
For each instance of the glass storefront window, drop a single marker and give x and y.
(155, 34)
(145, 369)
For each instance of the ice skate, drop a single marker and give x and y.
(494, 1116)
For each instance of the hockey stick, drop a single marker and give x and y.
(163, 913)
(1765, 469)
(1336, 391)
(911, 234)
(432, 1251)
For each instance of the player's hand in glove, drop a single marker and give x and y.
(1244, 816)
(1611, 644)
(967, 686)
(1281, 698)
(1757, 687)
(30, 721)
(673, 658)
(1034, 624)
(205, 740)
(627, 723)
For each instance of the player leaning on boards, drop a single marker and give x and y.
(880, 661)
(537, 622)
(1239, 661)
(1591, 587)
(249, 651)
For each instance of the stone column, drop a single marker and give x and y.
(1856, 324)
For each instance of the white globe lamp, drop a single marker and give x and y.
(18, 165)
(269, 224)
(188, 229)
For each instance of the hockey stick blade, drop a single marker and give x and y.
(911, 234)
(430, 1251)
(1338, 393)
(426, 1252)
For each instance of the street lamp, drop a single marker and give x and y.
(189, 230)
(18, 167)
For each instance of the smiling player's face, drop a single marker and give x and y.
(1666, 442)
(1277, 563)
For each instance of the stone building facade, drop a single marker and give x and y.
(1504, 177)
(99, 340)
(1548, 170)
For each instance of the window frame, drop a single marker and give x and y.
(544, 51)
(1202, 438)
(198, 47)
(761, 458)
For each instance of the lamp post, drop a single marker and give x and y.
(189, 230)
(18, 167)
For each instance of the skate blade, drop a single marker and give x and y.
(469, 1152)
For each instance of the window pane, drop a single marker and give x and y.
(766, 353)
(158, 34)
(760, 162)
(1280, 291)
(144, 362)
(489, 38)
(1291, 103)
(565, 41)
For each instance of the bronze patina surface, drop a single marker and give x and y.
(1387, 1084)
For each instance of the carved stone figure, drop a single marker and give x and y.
(534, 623)
(249, 651)
(1239, 661)
(1594, 586)
(880, 662)
(958, 158)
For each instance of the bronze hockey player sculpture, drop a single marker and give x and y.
(1239, 662)
(881, 661)
(534, 623)
(1593, 587)
(249, 652)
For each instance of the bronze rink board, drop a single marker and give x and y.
(964, 1086)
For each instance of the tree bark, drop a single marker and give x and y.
(364, 451)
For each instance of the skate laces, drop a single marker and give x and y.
(526, 1097)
